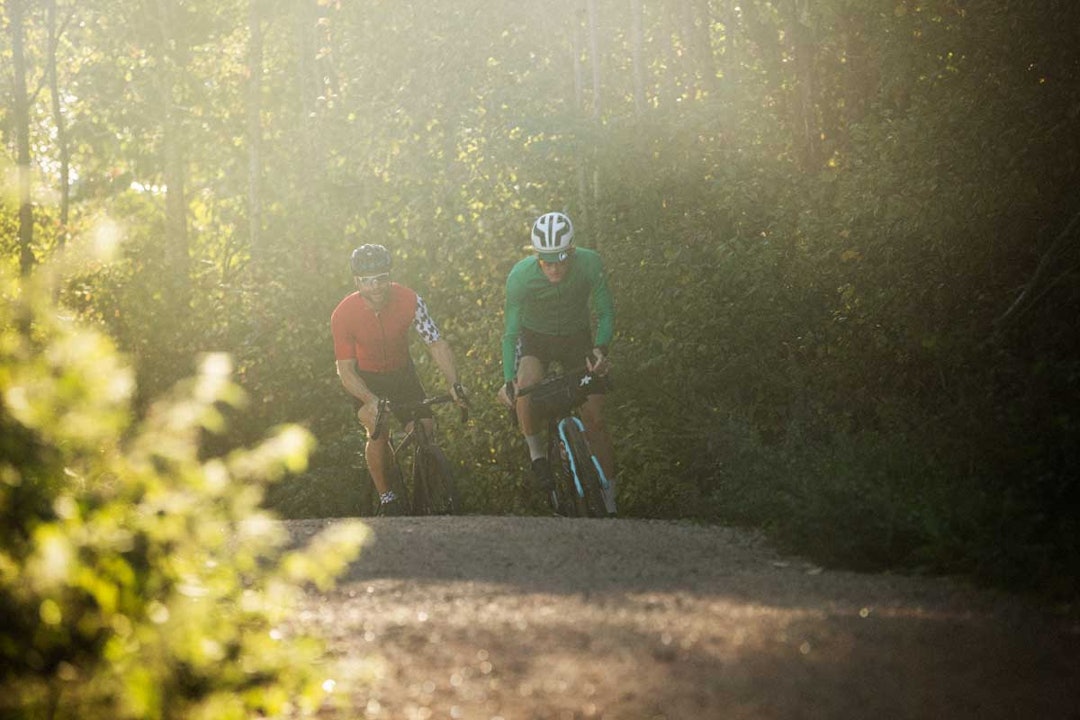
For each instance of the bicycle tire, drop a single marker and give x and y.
(561, 497)
(593, 502)
(574, 501)
(397, 485)
(435, 490)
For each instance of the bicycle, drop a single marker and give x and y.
(581, 488)
(431, 485)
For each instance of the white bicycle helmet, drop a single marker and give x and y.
(552, 236)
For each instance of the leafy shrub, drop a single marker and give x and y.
(136, 579)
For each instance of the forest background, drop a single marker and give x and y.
(842, 238)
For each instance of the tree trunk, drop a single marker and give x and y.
(308, 86)
(62, 144)
(804, 101)
(637, 43)
(576, 43)
(254, 130)
(173, 64)
(22, 138)
(594, 57)
(701, 40)
(729, 63)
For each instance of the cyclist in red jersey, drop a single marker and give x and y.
(371, 347)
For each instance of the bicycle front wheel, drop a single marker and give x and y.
(563, 496)
(435, 491)
(587, 474)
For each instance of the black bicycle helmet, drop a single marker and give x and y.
(370, 260)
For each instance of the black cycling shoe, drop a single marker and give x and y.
(541, 469)
(394, 508)
(544, 482)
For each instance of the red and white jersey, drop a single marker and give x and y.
(379, 341)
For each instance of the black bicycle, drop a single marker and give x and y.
(431, 487)
(581, 488)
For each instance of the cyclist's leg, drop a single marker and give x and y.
(385, 475)
(530, 372)
(380, 463)
(377, 453)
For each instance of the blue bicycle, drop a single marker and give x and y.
(581, 488)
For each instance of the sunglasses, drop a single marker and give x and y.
(373, 280)
(566, 255)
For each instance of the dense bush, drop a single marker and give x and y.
(138, 579)
(842, 239)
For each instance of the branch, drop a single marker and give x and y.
(1021, 304)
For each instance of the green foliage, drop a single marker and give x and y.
(841, 238)
(138, 580)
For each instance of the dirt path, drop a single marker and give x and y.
(510, 617)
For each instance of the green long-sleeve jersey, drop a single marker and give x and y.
(536, 303)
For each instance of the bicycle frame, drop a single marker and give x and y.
(418, 433)
(418, 429)
(422, 441)
(570, 392)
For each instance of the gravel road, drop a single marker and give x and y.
(527, 617)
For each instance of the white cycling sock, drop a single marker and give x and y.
(536, 446)
(387, 496)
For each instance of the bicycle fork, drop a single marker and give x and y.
(609, 500)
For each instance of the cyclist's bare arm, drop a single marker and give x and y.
(443, 356)
(438, 348)
(354, 384)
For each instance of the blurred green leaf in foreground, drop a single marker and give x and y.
(138, 579)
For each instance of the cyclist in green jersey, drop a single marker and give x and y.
(548, 317)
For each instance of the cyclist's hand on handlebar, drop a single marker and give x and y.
(506, 394)
(457, 391)
(368, 413)
(598, 364)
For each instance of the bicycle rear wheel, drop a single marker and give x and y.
(593, 502)
(436, 493)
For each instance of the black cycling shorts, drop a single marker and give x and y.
(570, 351)
(398, 386)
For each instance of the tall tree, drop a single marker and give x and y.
(56, 29)
(594, 56)
(254, 127)
(637, 42)
(172, 59)
(804, 101)
(22, 135)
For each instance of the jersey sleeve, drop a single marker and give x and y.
(603, 306)
(423, 324)
(511, 326)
